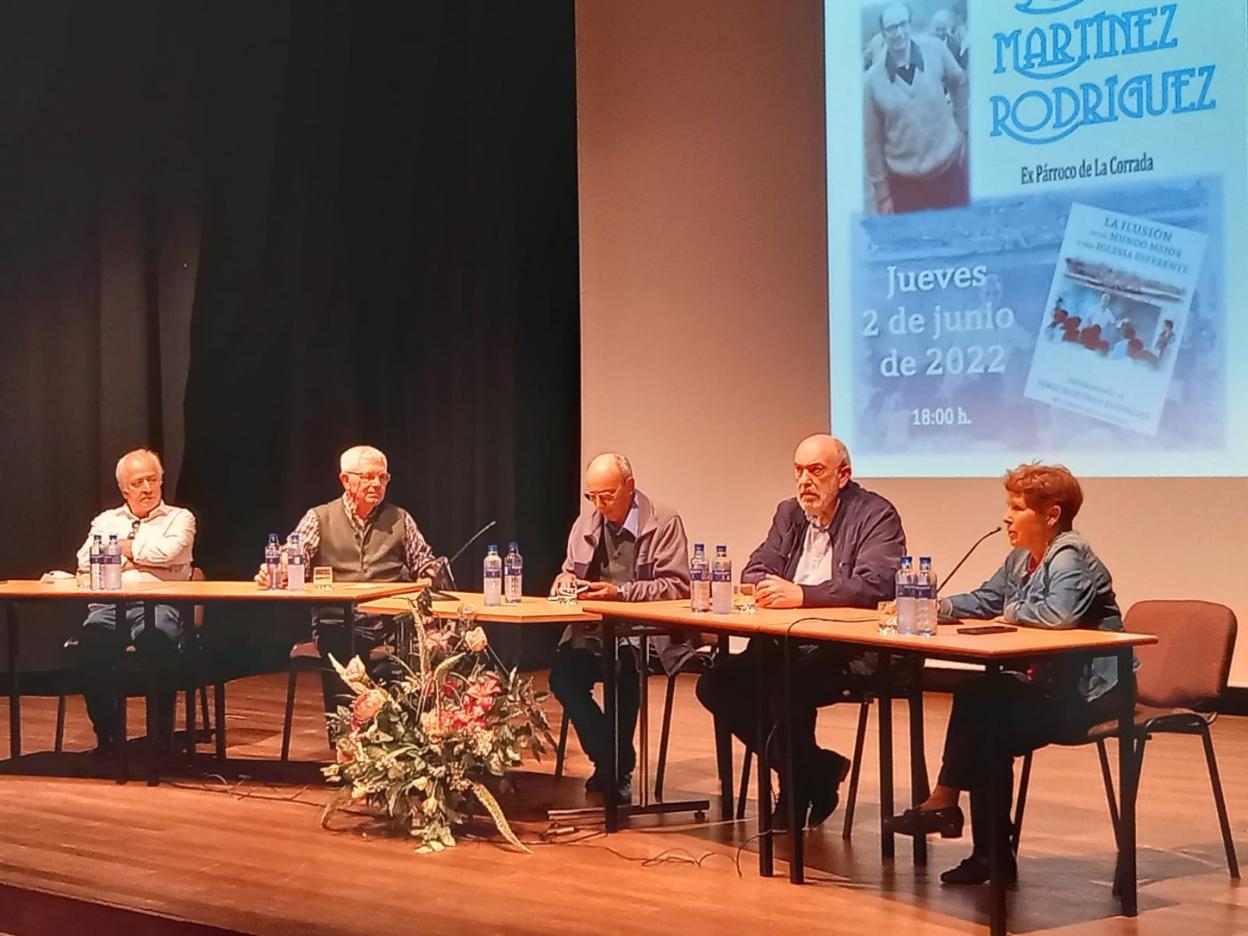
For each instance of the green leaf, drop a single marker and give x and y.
(486, 799)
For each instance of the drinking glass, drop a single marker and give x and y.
(888, 617)
(745, 598)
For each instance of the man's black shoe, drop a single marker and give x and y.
(780, 815)
(624, 792)
(974, 870)
(825, 787)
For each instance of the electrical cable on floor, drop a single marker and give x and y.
(233, 790)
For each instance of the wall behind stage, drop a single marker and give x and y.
(704, 302)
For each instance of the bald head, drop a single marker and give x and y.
(609, 485)
(821, 468)
(822, 447)
(942, 24)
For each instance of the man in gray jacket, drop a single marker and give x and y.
(628, 548)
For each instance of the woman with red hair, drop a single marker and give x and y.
(1053, 580)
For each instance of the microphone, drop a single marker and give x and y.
(443, 578)
(993, 532)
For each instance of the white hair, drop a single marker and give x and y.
(138, 453)
(350, 460)
(622, 464)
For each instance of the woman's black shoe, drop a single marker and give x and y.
(947, 820)
(974, 870)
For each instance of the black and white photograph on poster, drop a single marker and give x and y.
(915, 93)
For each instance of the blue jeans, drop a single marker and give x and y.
(102, 648)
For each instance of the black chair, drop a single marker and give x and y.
(188, 674)
(1178, 686)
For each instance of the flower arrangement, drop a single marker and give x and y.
(434, 744)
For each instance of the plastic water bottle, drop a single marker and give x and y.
(296, 572)
(721, 581)
(905, 596)
(493, 572)
(273, 561)
(111, 571)
(513, 575)
(925, 599)
(699, 580)
(97, 562)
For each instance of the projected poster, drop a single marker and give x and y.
(1038, 235)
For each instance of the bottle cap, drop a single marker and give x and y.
(721, 549)
(699, 547)
(513, 547)
(493, 550)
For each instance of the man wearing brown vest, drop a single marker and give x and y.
(363, 538)
(628, 548)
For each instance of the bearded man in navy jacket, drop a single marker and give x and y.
(835, 544)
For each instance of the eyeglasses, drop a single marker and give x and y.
(893, 29)
(370, 477)
(605, 497)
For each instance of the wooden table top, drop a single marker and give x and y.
(530, 610)
(860, 626)
(63, 589)
(764, 621)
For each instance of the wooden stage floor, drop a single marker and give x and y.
(245, 852)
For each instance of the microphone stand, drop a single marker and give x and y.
(993, 532)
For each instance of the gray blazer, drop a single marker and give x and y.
(661, 572)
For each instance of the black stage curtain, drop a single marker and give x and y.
(252, 235)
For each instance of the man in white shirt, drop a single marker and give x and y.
(156, 542)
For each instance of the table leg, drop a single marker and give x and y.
(997, 807)
(723, 751)
(766, 864)
(610, 662)
(151, 677)
(789, 781)
(218, 714)
(121, 639)
(1128, 781)
(15, 690)
(887, 843)
(643, 721)
(919, 790)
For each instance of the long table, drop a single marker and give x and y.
(859, 628)
(346, 595)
